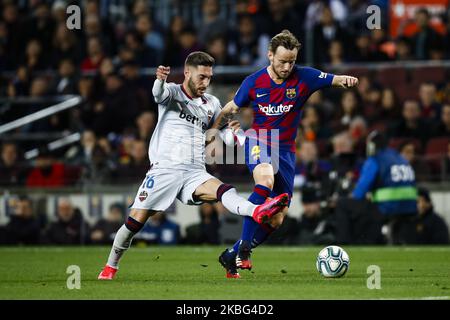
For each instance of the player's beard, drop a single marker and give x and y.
(280, 75)
(194, 89)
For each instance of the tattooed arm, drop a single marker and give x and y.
(225, 119)
(226, 115)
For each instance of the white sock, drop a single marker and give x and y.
(236, 204)
(122, 242)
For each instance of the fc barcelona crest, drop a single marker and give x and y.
(291, 93)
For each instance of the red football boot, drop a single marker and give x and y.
(268, 209)
(243, 256)
(107, 273)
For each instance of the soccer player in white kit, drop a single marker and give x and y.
(177, 161)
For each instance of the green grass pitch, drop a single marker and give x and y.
(194, 273)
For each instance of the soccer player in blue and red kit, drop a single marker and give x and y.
(276, 94)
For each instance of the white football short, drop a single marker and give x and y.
(161, 186)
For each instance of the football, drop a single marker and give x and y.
(332, 262)
(232, 138)
(229, 137)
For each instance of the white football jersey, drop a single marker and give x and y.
(178, 140)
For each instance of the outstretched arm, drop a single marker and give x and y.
(160, 90)
(224, 119)
(225, 115)
(344, 82)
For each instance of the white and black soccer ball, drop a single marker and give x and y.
(232, 138)
(332, 262)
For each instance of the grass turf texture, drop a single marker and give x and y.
(194, 273)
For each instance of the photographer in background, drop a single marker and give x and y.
(69, 228)
(427, 227)
(315, 225)
(308, 167)
(23, 227)
(391, 180)
(207, 230)
(344, 172)
(105, 229)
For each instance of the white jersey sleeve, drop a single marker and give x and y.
(163, 92)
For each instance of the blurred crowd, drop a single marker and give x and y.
(34, 34)
(29, 223)
(317, 225)
(102, 62)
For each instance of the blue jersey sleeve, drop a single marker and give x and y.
(366, 180)
(316, 79)
(242, 97)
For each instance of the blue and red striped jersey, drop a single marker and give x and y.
(279, 106)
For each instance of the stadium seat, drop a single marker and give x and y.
(428, 74)
(391, 77)
(358, 72)
(406, 91)
(72, 174)
(435, 150)
(437, 146)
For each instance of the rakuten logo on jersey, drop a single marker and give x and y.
(271, 110)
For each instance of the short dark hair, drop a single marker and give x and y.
(119, 206)
(284, 39)
(199, 58)
(425, 193)
(405, 143)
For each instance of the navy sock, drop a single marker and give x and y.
(230, 254)
(258, 196)
(261, 234)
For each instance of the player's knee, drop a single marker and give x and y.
(264, 170)
(224, 187)
(268, 182)
(137, 219)
(264, 175)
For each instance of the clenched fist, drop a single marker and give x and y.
(345, 81)
(162, 73)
